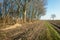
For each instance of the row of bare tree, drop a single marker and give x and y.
(23, 9)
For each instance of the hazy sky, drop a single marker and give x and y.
(53, 7)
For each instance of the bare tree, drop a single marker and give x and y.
(39, 6)
(53, 16)
(31, 9)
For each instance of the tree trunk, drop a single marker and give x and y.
(24, 12)
(24, 16)
(32, 18)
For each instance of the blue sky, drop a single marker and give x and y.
(1, 0)
(53, 7)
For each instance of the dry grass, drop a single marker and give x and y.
(38, 30)
(28, 31)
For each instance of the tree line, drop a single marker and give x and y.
(23, 9)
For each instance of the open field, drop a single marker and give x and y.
(56, 21)
(41, 30)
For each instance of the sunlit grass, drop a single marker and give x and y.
(52, 33)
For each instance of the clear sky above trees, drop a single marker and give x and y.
(53, 7)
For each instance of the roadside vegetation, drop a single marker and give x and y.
(52, 33)
(40, 30)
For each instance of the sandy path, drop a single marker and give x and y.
(12, 27)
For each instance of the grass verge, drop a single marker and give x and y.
(52, 34)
